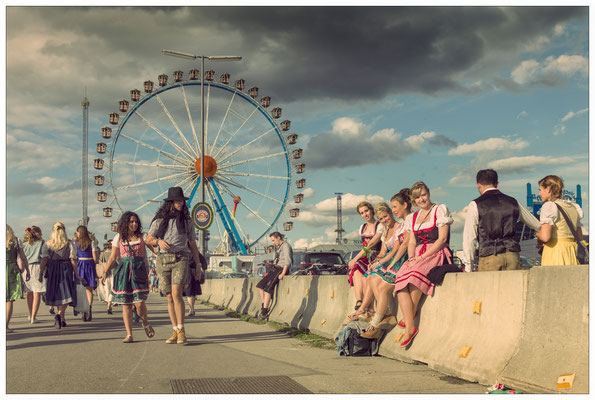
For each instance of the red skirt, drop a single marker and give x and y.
(416, 273)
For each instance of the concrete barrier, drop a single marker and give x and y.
(554, 340)
(521, 328)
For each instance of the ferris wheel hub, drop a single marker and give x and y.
(210, 166)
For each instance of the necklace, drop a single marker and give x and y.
(425, 217)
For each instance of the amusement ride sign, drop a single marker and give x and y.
(202, 215)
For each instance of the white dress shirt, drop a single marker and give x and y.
(472, 222)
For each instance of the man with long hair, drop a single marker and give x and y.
(172, 231)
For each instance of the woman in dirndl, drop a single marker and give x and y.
(427, 248)
(58, 255)
(32, 243)
(14, 285)
(370, 232)
(86, 260)
(131, 278)
(390, 259)
(560, 246)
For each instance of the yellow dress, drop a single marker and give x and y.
(561, 248)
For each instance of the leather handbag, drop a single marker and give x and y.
(582, 250)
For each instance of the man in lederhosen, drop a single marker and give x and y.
(281, 264)
(172, 231)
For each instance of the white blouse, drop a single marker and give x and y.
(442, 214)
(549, 213)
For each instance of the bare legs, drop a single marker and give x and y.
(265, 298)
(141, 310)
(409, 298)
(358, 286)
(382, 293)
(33, 302)
(8, 313)
(175, 305)
(191, 301)
(89, 295)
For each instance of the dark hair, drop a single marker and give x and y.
(167, 210)
(123, 225)
(403, 197)
(487, 177)
(276, 235)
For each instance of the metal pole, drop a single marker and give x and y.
(85, 151)
(201, 236)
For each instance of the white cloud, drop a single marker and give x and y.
(308, 193)
(489, 145)
(572, 114)
(550, 70)
(349, 202)
(521, 163)
(522, 114)
(559, 129)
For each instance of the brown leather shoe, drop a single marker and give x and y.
(372, 332)
(173, 338)
(387, 322)
(182, 337)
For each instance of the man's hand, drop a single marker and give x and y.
(198, 274)
(163, 244)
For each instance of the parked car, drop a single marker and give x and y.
(235, 275)
(349, 255)
(319, 263)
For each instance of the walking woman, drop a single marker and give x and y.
(370, 232)
(104, 286)
(427, 248)
(388, 263)
(559, 244)
(87, 258)
(131, 278)
(32, 243)
(173, 231)
(14, 286)
(58, 256)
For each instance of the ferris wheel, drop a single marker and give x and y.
(250, 159)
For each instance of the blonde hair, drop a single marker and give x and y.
(416, 190)
(11, 239)
(555, 183)
(382, 207)
(365, 204)
(58, 237)
(32, 234)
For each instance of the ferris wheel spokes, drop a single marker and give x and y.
(226, 218)
(165, 137)
(223, 180)
(206, 132)
(148, 146)
(235, 133)
(156, 165)
(196, 143)
(164, 178)
(243, 202)
(247, 144)
(223, 122)
(232, 173)
(183, 181)
(173, 121)
(228, 165)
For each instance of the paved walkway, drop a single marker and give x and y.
(89, 357)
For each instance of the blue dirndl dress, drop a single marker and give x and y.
(389, 274)
(86, 265)
(60, 285)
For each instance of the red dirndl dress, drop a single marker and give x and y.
(365, 260)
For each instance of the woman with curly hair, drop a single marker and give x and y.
(173, 231)
(58, 255)
(14, 286)
(32, 243)
(131, 279)
(86, 260)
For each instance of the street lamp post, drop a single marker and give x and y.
(173, 53)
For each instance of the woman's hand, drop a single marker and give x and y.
(27, 276)
(198, 274)
(351, 264)
(40, 277)
(163, 244)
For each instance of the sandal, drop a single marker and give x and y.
(358, 304)
(128, 339)
(149, 330)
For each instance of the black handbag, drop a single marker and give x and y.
(582, 249)
(139, 270)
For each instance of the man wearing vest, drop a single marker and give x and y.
(491, 220)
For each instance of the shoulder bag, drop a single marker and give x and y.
(582, 250)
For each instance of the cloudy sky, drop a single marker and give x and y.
(381, 97)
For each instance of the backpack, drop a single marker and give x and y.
(350, 343)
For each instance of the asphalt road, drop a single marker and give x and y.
(89, 357)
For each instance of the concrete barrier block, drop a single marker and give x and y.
(555, 339)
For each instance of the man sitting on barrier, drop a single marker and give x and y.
(281, 263)
(491, 220)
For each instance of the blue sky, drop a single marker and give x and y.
(380, 97)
